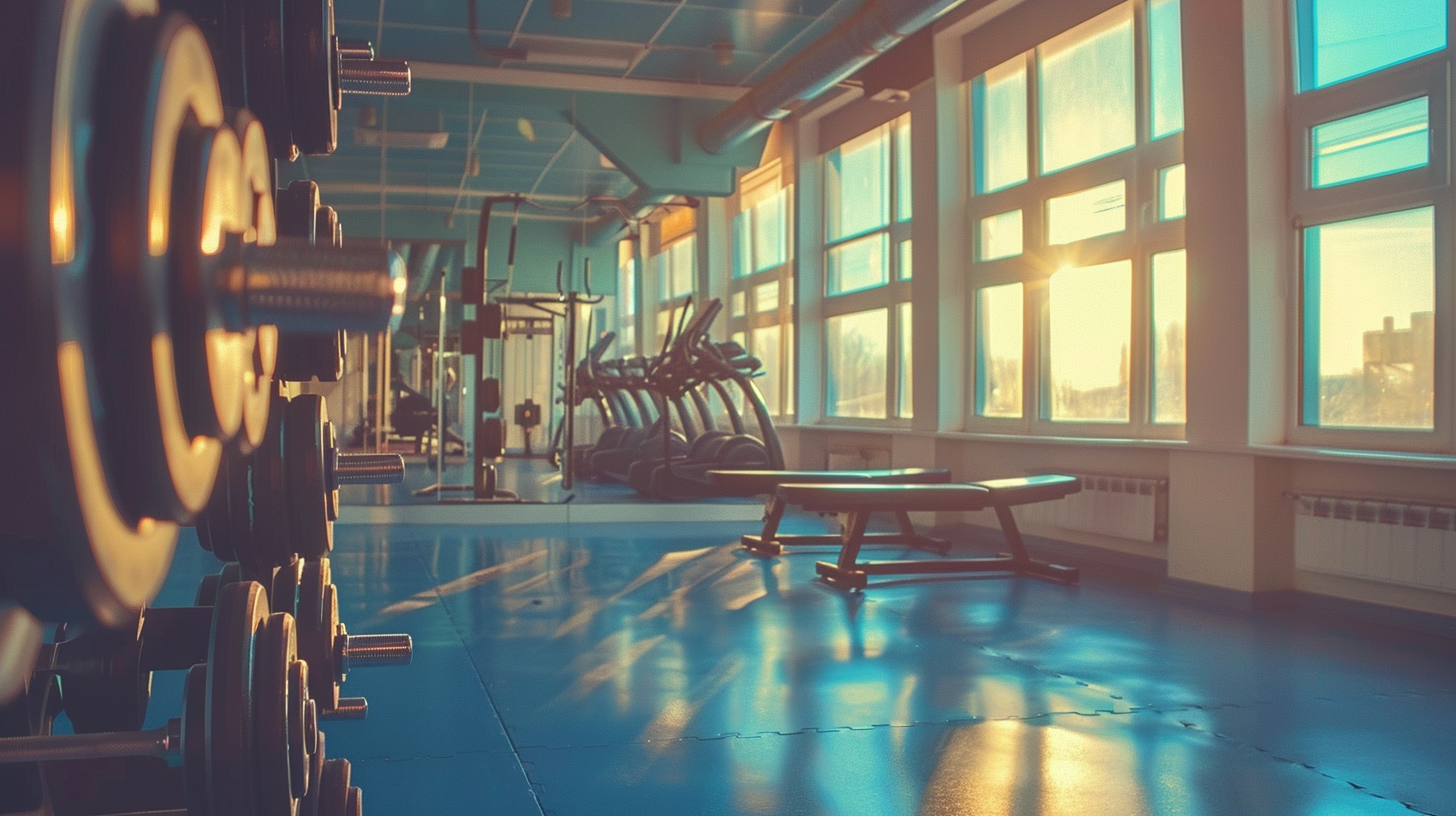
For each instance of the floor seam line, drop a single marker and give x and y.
(475, 667)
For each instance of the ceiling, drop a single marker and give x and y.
(519, 108)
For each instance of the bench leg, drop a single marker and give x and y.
(766, 542)
(848, 572)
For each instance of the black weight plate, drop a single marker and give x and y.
(331, 454)
(355, 803)
(258, 183)
(311, 66)
(207, 590)
(296, 208)
(164, 78)
(231, 573)
(270, 544)
(226, 525)
(326, 223)
(274, 653)
(305, 441)
(231, 772)
(304, 357)
(207, 205)
(266, 73)
(107, 689)
(194, 739)
(318, 621)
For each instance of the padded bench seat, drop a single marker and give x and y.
(768, 482)
(860, 500)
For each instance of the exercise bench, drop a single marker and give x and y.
(860, 500)
(767, 482)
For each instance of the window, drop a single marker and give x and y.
(1077, 261)
(761, 286)
(867, 270)
(1372, 204)
(626, 344)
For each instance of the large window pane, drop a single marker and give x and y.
(1165, 42)
(858, 264)
(1087, 213)
(766, 297)
(770, 232)
(857, 181)
(905, 396)
(743, 243)
(1369, 343)
(904, 208)
(905, 267)
(998, 103)
(1172, 193)
(675, 269)
(1170, 314)
(1375, 143)
(1090, 324)
(998, 350)
(1000, 236)
(856, 354)
(1087, 99)
(1342, 39)
(766, 349)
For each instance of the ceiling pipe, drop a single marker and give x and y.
(854, 43)
(603, 229)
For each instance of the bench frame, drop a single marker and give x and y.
(770, 542)
(850, 573)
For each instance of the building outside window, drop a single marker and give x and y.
(1077, 265)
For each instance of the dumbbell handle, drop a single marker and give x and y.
(354, 50)
(374, 76)
(369, 468)
(309, 289)
(159, 742)
(362, 651)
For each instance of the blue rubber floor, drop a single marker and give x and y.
(656, 669)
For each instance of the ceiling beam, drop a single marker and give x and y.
(565, 81)
(420, 189)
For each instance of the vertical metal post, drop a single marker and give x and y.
(440, 391)
(568, 417)
(364, 390)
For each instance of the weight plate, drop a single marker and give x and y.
(334, 793)
(231, 773)
(274, 654)
(309, 806)
(226, 526)
(104, 687)
(194, 739)
(298, 728)
(304, 357)
(311, 68)
(258, 183)
(270, 544)
(208, 205)
(354, 806)
(207, 590)
(265, 71)
(297, 210)
(318, 623)
(331, 462)
(305, 444)
(163, 78)
(326, 223)
(283, 594)
(63, 518)
(231, 573)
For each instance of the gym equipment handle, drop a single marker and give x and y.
(309, 289)
(159, 742)
(361, 651)
(374, 76)
(369, 468)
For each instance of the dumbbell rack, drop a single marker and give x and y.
(163, 301)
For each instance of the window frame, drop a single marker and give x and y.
(1144, 236)
(896, 289)
(1428, 186)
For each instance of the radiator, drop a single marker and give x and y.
(1392, 541)
(1128, 507)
